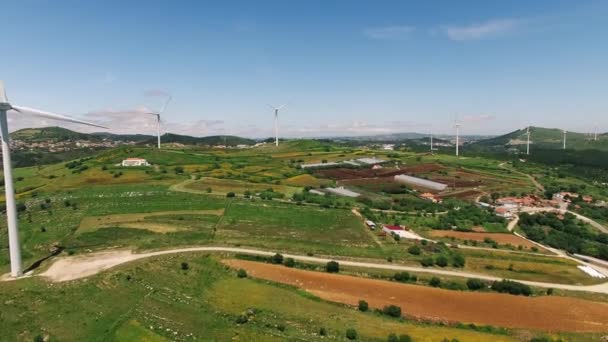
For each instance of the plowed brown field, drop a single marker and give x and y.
(547, 313)
(501, 239)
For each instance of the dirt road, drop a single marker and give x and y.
(76, 267)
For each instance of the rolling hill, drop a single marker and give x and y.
(545, 138)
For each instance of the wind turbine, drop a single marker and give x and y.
(595, 133)
(431, 142)
(457, 126)
(276, 122)
(565, 132)
(11, 208)
(162, 110)
(528, 143)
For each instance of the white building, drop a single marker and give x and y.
(341, 191)
(415, 181)
(135, 162)
(370, 224)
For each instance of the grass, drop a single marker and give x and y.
(223, 186)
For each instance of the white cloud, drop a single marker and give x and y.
(487, 29)
(397, 32)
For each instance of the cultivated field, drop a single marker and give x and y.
(543, 313)
(501, 239)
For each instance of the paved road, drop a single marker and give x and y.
(76, 267)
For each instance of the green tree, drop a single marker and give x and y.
(351, 334)
(414, 250)
(435, 282)
(363, 306)
(332, 267)
(392, 310)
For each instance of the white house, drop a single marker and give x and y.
(135, 162)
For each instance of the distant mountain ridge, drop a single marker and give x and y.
(59, 134)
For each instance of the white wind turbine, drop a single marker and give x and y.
(457, 126)
(528, 142)
(276, 122)
(162, 110)
(11, 208)
(565, 133)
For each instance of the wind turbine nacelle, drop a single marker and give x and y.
(5, 106)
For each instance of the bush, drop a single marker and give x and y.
(276, 259)
(231, 194)
(322, 332)
(38, 338)
(511, 287)
(401, 276)
(458, 260)
(405, 338)
(281, 327)
(241, 273)
(435, 282)
(414, 250)
(351, 334)
(392, 338)
(427, 262)
(208, 190)
(441, 261)
(289, 262)
(242, 319)
(475, 284)
(185, 266)
(549, 291)
(332, 267)
(363, 306)
(392, 310)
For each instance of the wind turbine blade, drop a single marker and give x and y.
(281, 106)
(3, 98)
(165, 105)
(49, 115)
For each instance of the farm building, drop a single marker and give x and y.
(503, 212)
(341, 191)
(315, 165)
(316, 192)
(430, 197)
(415, 181)
(371, 161)
(135, 162)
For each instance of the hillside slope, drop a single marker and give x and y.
(545, 138)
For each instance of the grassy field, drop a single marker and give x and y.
(159, 301)
(223, 186)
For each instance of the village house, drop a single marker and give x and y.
(503, 212)
(430, 197)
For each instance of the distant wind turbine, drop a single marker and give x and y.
(11, 208)
(276, 122)
(528, 142)
(595, 133)
(565, 133)
(457, 126)
(431, 142)
(162, 110)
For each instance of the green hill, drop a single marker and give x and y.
(545, 138)
(59, 134)
(214, 140)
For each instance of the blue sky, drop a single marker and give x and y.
(342, 67)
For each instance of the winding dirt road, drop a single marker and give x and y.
(77, 267)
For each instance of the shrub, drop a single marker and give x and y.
(458, 260)
(179, 170)
(242, 319)
(241, 273)
(208, 190)
(405, 338)
(351, 334)
(322, 332)
(549, 291)
(441, 261)
(414, 250)
(185, 266)
(38, 338)
(363, 306)
(43, 229)
(401, 276)
(392, 338)
(230, 194)
(475, 284)
(427, 262)
(332, 267)
(511, 287)
(289, 262)
(281, 327)
(392, 310)
(276, 259)
(435, 282)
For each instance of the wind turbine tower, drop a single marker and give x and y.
(162, 110)
(565, 133)
(11, 207)
(457, 126)
(528, 143)
(276, 123)
(431, 142)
